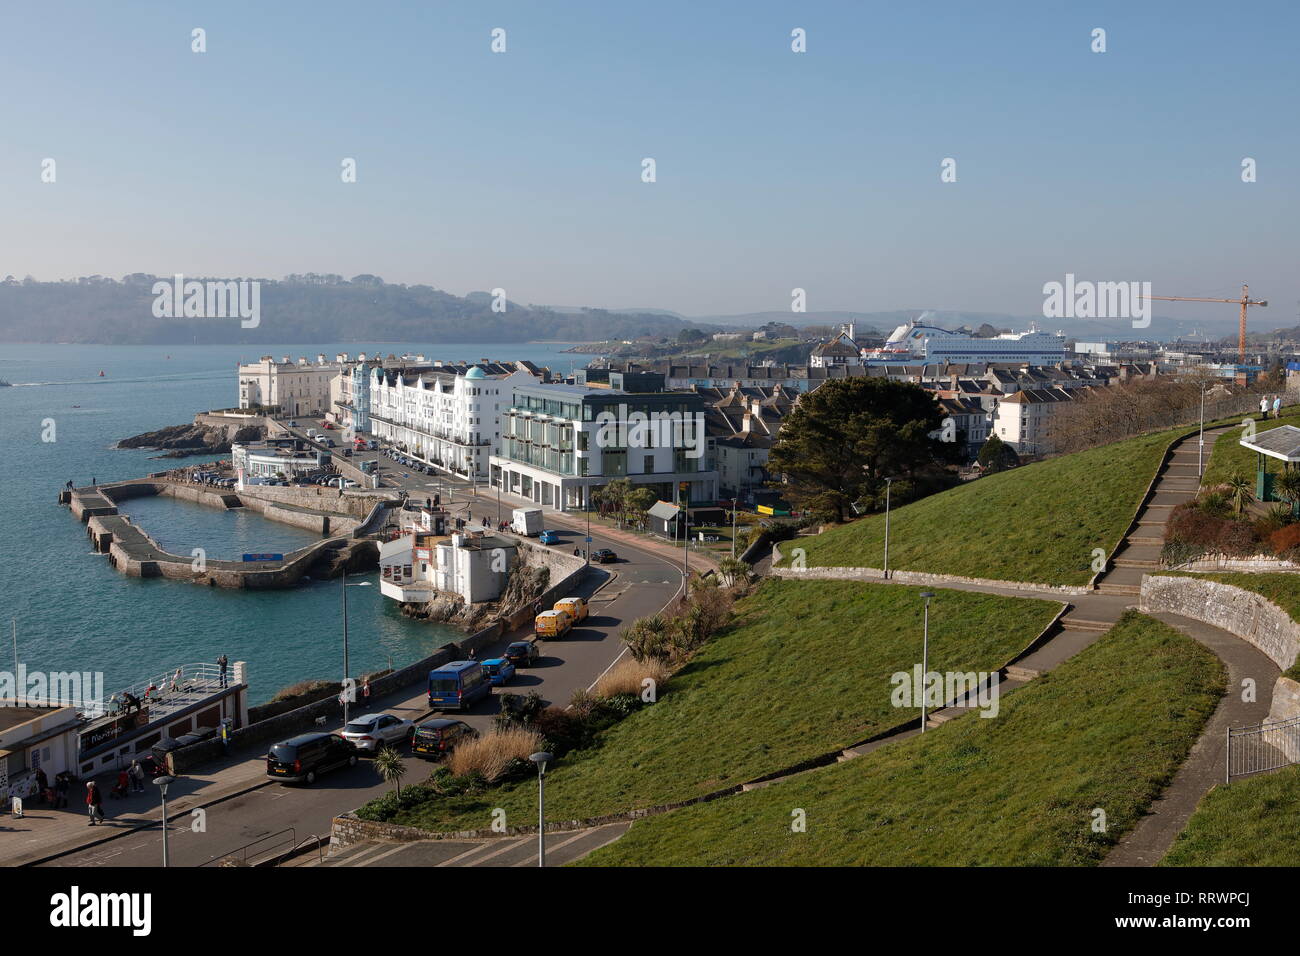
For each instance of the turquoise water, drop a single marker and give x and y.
(75, 613)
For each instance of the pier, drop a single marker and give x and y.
(345, 521)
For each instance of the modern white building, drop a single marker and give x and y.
(297, 388)
(275, 458)
(446, 415)
(558, 442)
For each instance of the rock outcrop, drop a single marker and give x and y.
(182, 441)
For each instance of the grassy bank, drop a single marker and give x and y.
(1105, 730)
(1038, 523)
(1228, 456)
(1250, 822)
(804, 671)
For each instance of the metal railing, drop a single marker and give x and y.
(268, 848)
(194, 678)
(1260, 748)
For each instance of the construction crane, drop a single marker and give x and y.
(1244, 301)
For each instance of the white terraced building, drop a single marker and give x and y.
(298, 388)
(446, 415)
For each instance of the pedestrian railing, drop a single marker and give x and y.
(1260, 748)
(194, 679)
(273, 846)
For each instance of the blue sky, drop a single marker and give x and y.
(775, 170)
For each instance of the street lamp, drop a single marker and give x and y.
(925, 653)
(541, 758)
(346, 671)
(1200, 445)
(888, 481)
(162, 786)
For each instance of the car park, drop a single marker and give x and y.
(522, 653)
(372, 731)
(499, 670)
(436, 738)
(303, 758)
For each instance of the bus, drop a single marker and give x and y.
(458, 685)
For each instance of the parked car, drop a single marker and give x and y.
(522, 653)
(549, 537)
(162, 748)
(604, 556)
(436, 738)
(575, 607)
(372, 731)
(499, 670)
(291, 424)
(303, 758)
(457, 685)
(552, 624)
(329, 425)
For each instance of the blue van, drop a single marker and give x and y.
(458, 685)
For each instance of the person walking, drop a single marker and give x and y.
(1263, 405)
(222, 662)
(1277, 406)
(61, 790)
(137, 777)
(365, 693)
(94, 804)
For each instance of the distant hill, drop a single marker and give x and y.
(300, 309)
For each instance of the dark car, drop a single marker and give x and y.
(522, 653)
(162, 748)
(436, 738)
(301, 759)
(604, 556)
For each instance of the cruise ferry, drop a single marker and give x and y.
(917, 342)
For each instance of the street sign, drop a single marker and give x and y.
(588, 539)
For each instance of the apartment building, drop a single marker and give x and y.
(299, 387)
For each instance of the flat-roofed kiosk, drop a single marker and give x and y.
(1282, 444)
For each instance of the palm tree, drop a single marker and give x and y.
(1240, 491)
(733, 570)
(388, 764)
(1288, 487)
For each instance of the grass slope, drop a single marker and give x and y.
(1251, 822)
(1036, 523)
(805, 671)
(1107, 729)
(1228, 455)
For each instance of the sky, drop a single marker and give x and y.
(774, 170)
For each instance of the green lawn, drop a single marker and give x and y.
(1107, 729)
(1250, 822)
(1038, 523)
(1228, 455)
(804, 672)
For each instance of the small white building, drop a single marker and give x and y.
(415, 568)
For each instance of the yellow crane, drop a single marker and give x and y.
(1244, 301)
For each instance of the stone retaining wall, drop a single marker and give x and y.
(1285, 706)
(1248, 615)
(876, 576)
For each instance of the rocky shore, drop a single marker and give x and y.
(526, 583)
(182, 441)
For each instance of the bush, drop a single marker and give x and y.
(492, 754)
(1190, 525)
(1286, 539)
(627, 675)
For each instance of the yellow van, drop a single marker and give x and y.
(575, 607)
(552, 624)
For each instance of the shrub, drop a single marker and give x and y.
(627, 675)
(1191, 525)
(516, 710)
(491, 754)
(1285, 539)
(649, 638)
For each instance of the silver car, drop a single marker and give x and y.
(372, 731)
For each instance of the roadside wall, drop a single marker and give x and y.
(876, 576)
(1248, 615)
(1285, 706)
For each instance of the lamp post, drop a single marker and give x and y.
(925, 652)
(733, 529)
(346, 670)
(162, 782)
(1200, 445)
(888, 481)
(541, 758)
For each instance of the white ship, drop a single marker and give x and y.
(916, 343)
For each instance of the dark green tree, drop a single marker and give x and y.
(843, 440)
(997, 455)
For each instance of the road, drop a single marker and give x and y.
(642, 583)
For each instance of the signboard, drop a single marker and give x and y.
(113, 729)
(264, 557)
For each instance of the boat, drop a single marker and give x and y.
(101, 373)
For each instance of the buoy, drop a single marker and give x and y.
(101, 373)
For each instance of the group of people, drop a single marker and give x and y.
(1277, 406)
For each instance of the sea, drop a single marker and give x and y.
(62, 608)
